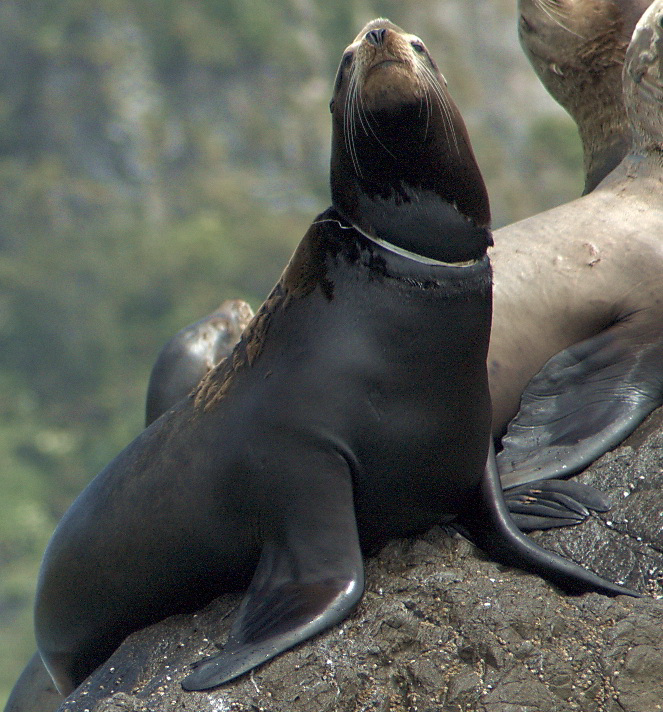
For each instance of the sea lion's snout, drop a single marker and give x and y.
(386, 70)
(376, 37)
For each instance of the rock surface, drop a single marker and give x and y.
(442, 628)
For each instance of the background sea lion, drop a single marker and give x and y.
(292, 452)
(577, 48)
(34, 690)
(191, 353)
(578, 306)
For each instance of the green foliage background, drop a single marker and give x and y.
(159, 156)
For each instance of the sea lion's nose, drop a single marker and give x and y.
(376, 37)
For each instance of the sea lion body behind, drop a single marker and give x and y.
(577, 347)
(191, 353)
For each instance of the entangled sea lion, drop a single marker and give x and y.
(577, 48)
(354, 408)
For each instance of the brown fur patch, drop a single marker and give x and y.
(305, 271)
(307, 268)
(214, 386)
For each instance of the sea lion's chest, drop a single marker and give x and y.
(391, 371)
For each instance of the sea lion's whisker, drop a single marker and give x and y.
(432, 83)
(349, 123)
(367, 117)
(554, 8)
(548, 10)
(429, 109)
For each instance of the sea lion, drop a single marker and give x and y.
(354, 408)
(578, 306)
(577, 48)
(191, 353)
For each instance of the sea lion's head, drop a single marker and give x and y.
(396, 133)
(574, 43)
(577, 48)
(643, 80)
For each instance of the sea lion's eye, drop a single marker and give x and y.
(418, 47)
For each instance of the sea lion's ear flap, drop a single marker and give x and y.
(308, 578)
(584, 401)
(331, 106)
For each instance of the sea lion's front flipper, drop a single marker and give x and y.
(490, 526)
(309, 577)
(553, 503)
(583, 402)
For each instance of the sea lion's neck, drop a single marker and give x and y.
(423, 194)
(604, 130)
(413, 256)
(427, 152)
(421, 223)
(332, 241)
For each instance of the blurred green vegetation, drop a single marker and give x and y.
(157, 157)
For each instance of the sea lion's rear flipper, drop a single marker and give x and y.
(583, 402)
(309, 578)
(553, 503)
(490, 526)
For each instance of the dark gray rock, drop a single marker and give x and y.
(442, 628)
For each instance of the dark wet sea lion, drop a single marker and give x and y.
(577, 48)
(191, 353)
(581, 285)
(355, 408)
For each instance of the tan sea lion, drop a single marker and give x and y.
(578, 302)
